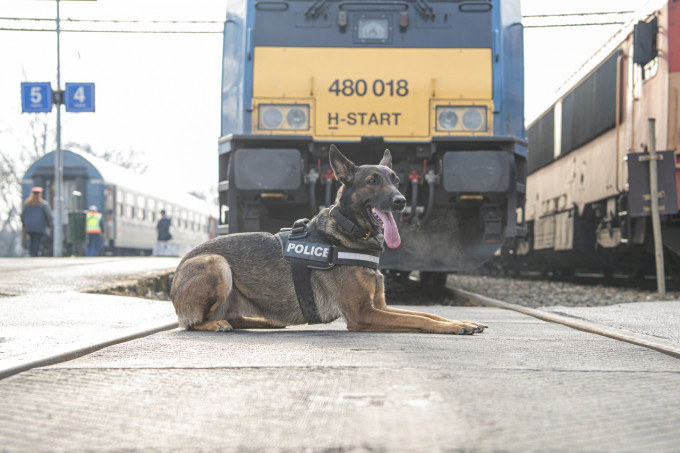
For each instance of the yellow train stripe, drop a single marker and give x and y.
(370, 91)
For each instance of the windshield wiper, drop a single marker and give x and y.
(424, 9)
(315, 8)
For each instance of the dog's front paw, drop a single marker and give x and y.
(220, 325)
(465, 327)
(475, 326)
(223, 326)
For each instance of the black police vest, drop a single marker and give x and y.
(303, 253)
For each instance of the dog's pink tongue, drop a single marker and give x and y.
(392, 238)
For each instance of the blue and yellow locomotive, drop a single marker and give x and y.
(439, 83)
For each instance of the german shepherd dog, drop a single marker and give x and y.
(242, 281)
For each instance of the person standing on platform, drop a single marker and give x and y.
(94, 227)
(36, 218)
(163, 228)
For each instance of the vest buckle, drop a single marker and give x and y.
(299, 229)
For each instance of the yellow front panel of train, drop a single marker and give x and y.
(368, 91)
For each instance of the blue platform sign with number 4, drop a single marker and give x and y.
(79, 97)
(36, 97)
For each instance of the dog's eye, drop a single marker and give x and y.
(372, 181)
(395, 180)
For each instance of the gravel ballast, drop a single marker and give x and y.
(536, 293)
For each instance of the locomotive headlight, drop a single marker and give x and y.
(271, 117)
(461, 118)
(472, 119)
(447, 118)
(296, 118)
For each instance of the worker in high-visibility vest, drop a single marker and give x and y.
(94, 227)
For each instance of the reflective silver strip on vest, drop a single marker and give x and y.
(358, 257)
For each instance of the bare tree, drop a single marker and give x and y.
(130, 159)
(10, 207)
(41, 135)
(210, 196)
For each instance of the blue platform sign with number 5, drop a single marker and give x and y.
(36, 97)
(79, 97)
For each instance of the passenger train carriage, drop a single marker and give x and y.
(581, 195)
(130, 203)
(439, 83)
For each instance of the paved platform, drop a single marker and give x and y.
(46, 275)
(39, 329)
(522, 385)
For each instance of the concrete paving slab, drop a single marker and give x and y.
(523, 385)
(38, 328)
(656, 319)
(43, 275)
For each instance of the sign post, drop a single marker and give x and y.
(58, 162)
(39, 97)
(654, 201)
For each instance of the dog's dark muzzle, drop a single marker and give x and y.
(398, 202)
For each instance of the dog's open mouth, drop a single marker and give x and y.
(375, 220)
(384, 223)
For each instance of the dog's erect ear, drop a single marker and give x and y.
(387, 159)
(342, 166)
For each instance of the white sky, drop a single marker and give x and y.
(159, 94)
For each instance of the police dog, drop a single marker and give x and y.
(241, 280)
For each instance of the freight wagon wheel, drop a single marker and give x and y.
(399, 287)
(673, 267)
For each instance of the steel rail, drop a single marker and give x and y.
(68, 352)
(647, 341)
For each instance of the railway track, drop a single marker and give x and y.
(647, 341)
(642, 282)
(543, 299)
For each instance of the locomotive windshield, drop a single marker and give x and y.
(333, 23)
(422, 6)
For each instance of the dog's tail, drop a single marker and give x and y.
(200, 288)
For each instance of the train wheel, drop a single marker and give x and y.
(433, 280)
